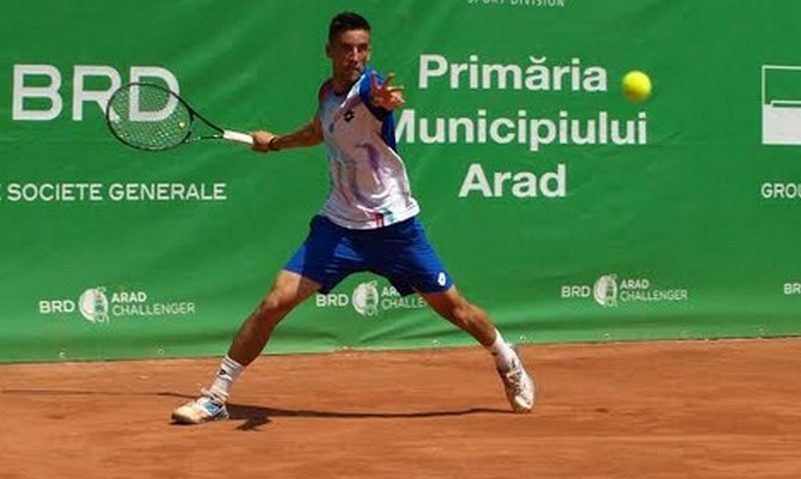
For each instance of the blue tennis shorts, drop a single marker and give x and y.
(399, 252)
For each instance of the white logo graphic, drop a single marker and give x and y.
(781, 104)
(605, 291)
(371, 299)
(611, 291)
(365, 298)
(791, 289)
(93, 305)
(99, 305)
(442, 279)
(519, 3)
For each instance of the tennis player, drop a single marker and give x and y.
(368, 223)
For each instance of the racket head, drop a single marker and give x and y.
(149, 117)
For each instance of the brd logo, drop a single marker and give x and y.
(93, 305)
(46, 101)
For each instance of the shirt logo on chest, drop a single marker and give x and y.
(344, 111)
(348, 116)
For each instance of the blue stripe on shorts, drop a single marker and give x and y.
(400, 252)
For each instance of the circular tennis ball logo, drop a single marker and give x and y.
(605, 291)
(93, 305)
(636, 86)
(365, 299)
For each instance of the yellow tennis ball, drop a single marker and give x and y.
(636, 86)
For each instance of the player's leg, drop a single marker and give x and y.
(452, 306)
(288, 290)
(321, 262)
(402, 253)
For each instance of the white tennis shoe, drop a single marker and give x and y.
(208, 407)
(518, 385)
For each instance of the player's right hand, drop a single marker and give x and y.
(261, 141)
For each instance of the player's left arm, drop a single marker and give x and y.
(385, 95)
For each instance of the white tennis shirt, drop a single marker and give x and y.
(369, 185)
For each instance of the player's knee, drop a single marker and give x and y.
(271, 308)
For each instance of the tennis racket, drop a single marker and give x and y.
(152, 118)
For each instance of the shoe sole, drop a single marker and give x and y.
(180, 419)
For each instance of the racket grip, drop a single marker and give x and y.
(238, 137)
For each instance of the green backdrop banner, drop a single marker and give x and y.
(565, 210)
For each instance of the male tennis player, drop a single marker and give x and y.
(368, 223)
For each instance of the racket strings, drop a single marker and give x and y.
(148, 117)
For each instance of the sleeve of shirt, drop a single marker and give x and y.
(365, 92)
(325, 88)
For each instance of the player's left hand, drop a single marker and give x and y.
(385, 95)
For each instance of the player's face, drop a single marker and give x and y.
(349, 53)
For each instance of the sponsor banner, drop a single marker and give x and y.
(98, 305)
(613, 290)
(55, 192)
(558, 204)
(370, 300)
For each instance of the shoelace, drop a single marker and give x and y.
(515, 376)
(211, 396)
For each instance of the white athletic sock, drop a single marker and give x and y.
(226, 375)
(502, 352)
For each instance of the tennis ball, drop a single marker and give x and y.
(636, 86)
(181, 124)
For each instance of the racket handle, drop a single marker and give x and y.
(238, 137)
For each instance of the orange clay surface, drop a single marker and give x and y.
(717, 409)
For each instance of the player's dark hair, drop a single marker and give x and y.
(345, 21)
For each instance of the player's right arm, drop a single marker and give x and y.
(309, 134)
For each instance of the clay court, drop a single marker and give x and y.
(715, 409)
